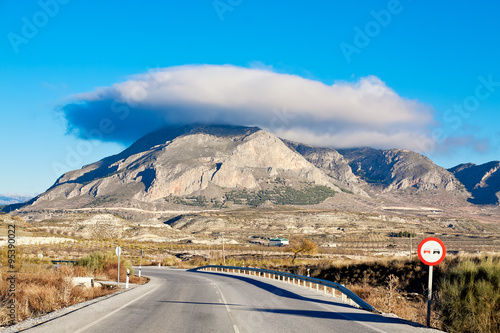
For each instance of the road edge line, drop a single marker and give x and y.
(114, 311)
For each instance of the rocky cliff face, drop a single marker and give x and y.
(482, 181)
(332, 163)
(397, 169)
(193, 160)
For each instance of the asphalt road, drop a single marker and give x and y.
(183, 301)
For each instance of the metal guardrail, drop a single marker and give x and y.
(291, 278)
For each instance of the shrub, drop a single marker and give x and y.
(470, 299)
(96, 260)
(106, 263)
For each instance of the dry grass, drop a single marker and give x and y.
(40, 291)
(389, 299)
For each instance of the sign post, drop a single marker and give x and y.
(140, 264)
(118, 251)
(431, 252)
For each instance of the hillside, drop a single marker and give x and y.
(482, 181)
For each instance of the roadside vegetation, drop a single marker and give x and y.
(41, 289)
(104, 266)
(470, 299)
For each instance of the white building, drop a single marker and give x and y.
(278, 241)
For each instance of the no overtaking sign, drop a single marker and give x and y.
(431, 251)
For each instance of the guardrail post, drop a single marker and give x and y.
(317, 286)
(324, 290)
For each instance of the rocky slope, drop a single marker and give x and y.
(397, 169)
(331, 162)
(482, 181)
(188, 161)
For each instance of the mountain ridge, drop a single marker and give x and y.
(482, 181)
(210, 164)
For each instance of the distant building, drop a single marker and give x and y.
(278, 241)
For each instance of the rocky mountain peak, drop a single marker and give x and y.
(187, 161)
(397, 169)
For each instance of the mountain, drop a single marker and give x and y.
(217, 166)
(200, 163)
(397, 169)
(9, 199)
(331, 162)
(482, 181)
(379, 170)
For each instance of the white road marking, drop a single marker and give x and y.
(115, 311)
(223, 299)
(235, 328)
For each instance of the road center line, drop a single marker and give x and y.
(115, 311)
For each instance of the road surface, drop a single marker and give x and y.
(184, 301)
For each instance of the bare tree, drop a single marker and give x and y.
(302, 245)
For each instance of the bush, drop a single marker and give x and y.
(107, 264)
(96, 260)
(470, 299)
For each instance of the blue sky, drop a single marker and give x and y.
(440, 56)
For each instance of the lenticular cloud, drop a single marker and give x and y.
(345, 114)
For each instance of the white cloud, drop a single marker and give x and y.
(345, 114)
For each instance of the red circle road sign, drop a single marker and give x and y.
(431, 251)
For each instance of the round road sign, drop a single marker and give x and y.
(431, 251)
(118, 251)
